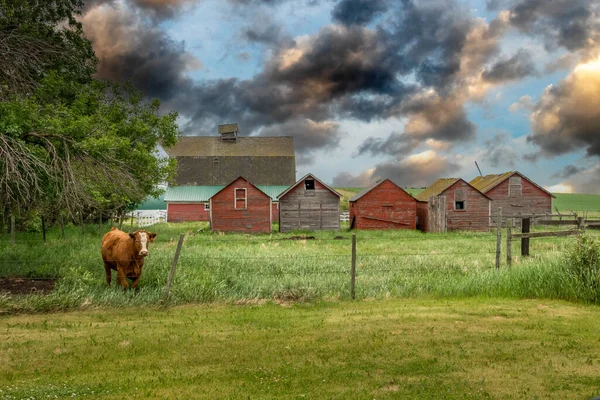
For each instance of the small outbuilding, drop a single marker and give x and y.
(452, 204)
(309, 204)
(241, 207)
(515, 193)
(192, 203)
(383, 205)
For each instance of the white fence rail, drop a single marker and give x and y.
(149, 217)
(345, 216)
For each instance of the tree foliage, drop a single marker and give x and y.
(41, 36)
(69, 141)
(95, 150)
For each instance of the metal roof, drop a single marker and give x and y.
(213, 146)
(302, 180)
(436, 188)
(201, 194)
(191, 194)
(486, 183)
(153, 203)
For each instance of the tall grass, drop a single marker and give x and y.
(240, 268)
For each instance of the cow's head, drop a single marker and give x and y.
(141, 240)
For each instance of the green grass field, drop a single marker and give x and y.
(424, 348)
(235, 267)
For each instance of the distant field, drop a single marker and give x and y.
(577, 202)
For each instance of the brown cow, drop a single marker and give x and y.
(125, 254)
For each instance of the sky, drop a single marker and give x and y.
(371, 89)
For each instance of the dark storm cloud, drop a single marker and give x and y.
(499, 151)
(308, 135)
(518, 66)
(395, 143)
(358, 12)
(567, 23)
(567, 172)
(414, 171)
(157, 9)
(130, 48)
(566, 117)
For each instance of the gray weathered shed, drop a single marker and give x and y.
(309, 204)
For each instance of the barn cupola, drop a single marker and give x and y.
(228, 132)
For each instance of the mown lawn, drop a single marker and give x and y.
(410, 348)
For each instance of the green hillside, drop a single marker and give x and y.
(577, 202)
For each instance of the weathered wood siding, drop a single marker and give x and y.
(530, 200)
(177, 212)
(301, 209)
(255, 218)
(475, 216)
(275, 211)
(386, 206)
(422, 216)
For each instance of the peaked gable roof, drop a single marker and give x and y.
(486, 183)
(440, 186)
(240, 177)
(436, 188)
(302, 180)
(373, 186)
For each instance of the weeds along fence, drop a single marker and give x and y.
(214, 267)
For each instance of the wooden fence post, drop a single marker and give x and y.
(580, 223)
(12, 228)
(43, 228)
(509, 224)
(498, 237)
(172, 273)
(525, 228)
(353, 269)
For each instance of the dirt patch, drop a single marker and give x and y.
(302, 237)
(26, 285)
(339, 238)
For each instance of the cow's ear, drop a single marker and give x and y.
(152, 236)
(132, 235)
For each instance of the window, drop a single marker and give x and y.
(206, 206)
(241, 201)
(309, 184)
(459, 199)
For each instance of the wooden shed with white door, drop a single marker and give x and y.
(309, 204)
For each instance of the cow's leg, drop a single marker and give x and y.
(108, 270)
(134, 284)
(121, 278)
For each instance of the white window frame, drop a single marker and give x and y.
(206, 206)
(235, 198)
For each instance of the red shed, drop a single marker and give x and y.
(241, 207)
(383, 205)
(515, 193)
(466, 208)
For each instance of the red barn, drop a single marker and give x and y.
(515, 193)
(241, 207)
(192, 203)
(466, 208)
(383, 205)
